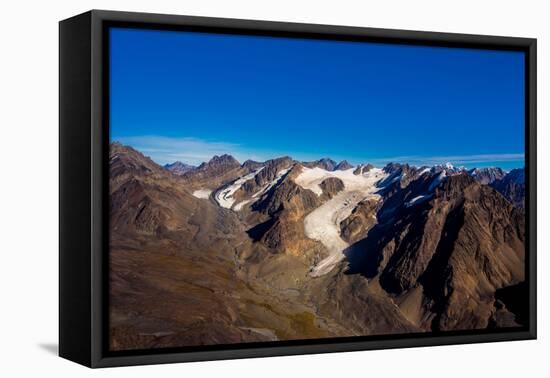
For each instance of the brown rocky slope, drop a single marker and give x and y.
(186, 271)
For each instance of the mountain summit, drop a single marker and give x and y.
(179, 168)
(343, 165)
(487, 175)
(224, 160)
(325, 163)
(284, 249)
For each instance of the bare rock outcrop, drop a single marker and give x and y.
(343, 165)
(512, 187)
(360, 221)
(331, 186)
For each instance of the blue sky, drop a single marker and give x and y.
(188, 96)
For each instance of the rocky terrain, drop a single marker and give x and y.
(179, 168)
(512, 186)
(280, 250)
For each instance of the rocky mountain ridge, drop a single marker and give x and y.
(285, 249)
(510, 184)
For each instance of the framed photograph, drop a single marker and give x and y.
(234, 188)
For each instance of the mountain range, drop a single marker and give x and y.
(283, 249)
(179, 168)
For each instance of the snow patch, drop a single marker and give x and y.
(397, 177)
(224, 197)
(277, 179)
(417, 200)
(202, 193)
(424, 197)
(425, 170)
(437, 180)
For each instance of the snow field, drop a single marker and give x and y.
(202, 193)
(323, 223)
(224, 197)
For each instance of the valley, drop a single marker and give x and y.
(226, 252)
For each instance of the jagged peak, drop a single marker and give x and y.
(363, 168)
(324, 163)
(252, 164)
(224, 159)
(177, 163)
(343, 165)
(395, 167)
(458, 182)
(278, 160)
(178, 167)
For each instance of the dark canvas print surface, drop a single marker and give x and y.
(274, 189)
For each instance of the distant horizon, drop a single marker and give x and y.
(188, 96)
(380, 162)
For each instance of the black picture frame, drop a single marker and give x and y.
(83, 181)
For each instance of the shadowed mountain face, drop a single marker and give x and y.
(325, 163)
(280, 250)
(512, 186)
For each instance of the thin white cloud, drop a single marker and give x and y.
(194, 151)
(468, 160)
